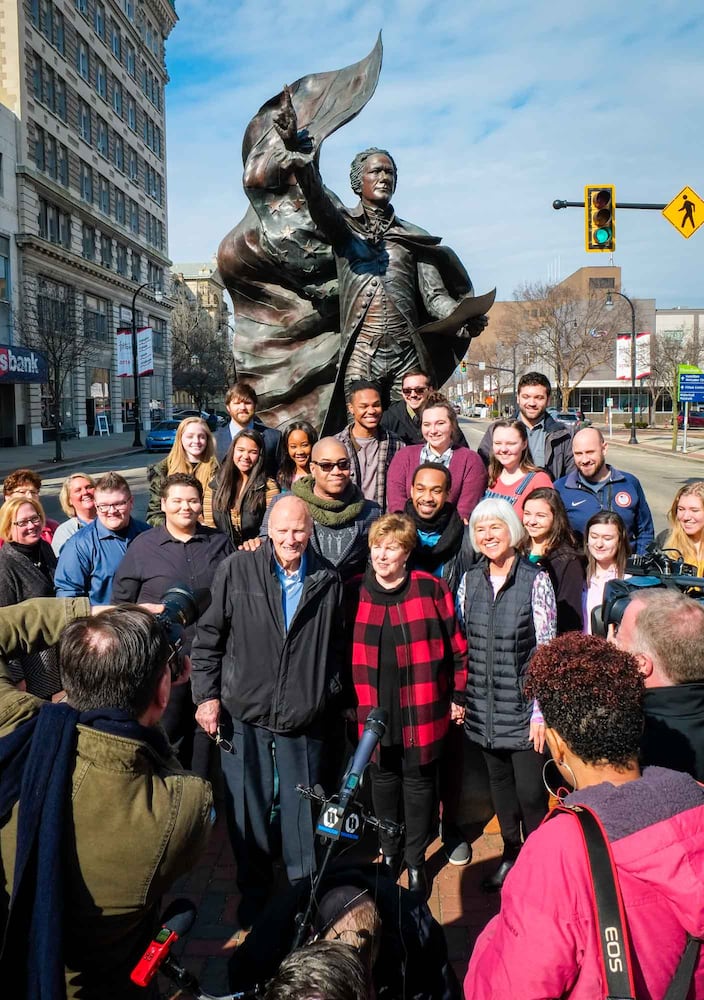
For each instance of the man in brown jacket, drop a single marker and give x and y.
(86, 888)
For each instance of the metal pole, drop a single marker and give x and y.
(609, 305)
(137, 442)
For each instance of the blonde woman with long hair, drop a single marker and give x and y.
(193, 452)
(686, 518)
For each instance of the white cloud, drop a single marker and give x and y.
(491, 110)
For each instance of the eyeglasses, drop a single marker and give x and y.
(221, 742)
(33, 521)
(105, 508)
(22, 492)
(342, 464)
(415, 390)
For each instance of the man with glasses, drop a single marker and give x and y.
(369, 447)
(26, 483)
(89, 560)
(403, 417)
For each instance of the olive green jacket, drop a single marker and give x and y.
(137, 822)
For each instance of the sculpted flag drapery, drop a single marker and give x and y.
(279, 271)
(291, 342)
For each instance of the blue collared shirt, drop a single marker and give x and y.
(89, 560)
(291, 587)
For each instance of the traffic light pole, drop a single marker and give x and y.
(559, 203)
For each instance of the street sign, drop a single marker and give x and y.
(691, 388)
(685, 212)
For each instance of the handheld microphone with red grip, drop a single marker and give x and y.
(177, 920)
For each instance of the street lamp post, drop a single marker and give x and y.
(609, 305)
(137, 442)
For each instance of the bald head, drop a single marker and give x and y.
(330, 466)
(589, 450)
(290, 528)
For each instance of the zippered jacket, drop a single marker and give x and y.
(623, 494)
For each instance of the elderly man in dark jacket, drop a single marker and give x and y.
(268, 668)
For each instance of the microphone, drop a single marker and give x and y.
(374, 729)
(177, 920)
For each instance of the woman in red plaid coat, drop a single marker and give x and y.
(409, 658)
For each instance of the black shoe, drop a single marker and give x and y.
(493, 883)
(391, 865)
(418, 881)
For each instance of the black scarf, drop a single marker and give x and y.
(450, 526)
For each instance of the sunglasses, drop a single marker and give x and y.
(415, 391)
(342, 464)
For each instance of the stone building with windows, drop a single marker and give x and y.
(85, 82)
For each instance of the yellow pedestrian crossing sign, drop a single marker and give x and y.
(685, 212)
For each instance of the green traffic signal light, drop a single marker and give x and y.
(600, 218)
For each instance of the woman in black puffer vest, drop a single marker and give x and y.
(507, 607)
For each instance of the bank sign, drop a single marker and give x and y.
(19, 364)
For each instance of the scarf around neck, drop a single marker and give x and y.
(448, 524)
(330, 513)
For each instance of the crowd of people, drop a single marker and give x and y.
(392, 566)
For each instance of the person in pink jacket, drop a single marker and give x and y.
(442, 433)
(544, 942)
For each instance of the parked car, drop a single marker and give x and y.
(480, 410)
(571, 418)
(211, 419)
(162, 436)
(695, 418)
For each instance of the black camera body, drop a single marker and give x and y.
(182, 608)
(656, 568)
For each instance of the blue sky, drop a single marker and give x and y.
(491, 110)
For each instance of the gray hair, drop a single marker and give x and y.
(669, 628)
(496, 509)
(357, 166)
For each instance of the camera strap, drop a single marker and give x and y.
(609, 913)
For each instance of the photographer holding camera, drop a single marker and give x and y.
(97, 818)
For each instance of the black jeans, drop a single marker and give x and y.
(451, 767)
(405, 792)
(192, 744)
(520, 798)
(249, 796)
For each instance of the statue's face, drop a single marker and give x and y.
(378, 179)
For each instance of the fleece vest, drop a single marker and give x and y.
(501, 640)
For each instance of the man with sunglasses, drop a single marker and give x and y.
(89, 560)
(403, 417)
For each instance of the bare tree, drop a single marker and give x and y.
(47, 323)
(669, 350)
(202, 361)
(558, 328)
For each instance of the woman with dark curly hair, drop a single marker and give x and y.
(553, 546)
(544, 942)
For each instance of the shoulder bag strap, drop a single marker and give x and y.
(614, 947)
(679, 985)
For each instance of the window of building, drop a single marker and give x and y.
(95, 317)
(63, 165)
(88, 242)
(101, 79)
(118, 152)
(59, 34)
(134, 217)
(130, 60)
(119, 206)
(158, 334)
(136, 267)
(4, 269)
(61, 103)
(84, 122)
(602, 283)
(99, 20)
(132, 114)
(82, 59)
(49, 96)
(121, 259)
(54, 224)
(51, 163)
(102, 142)
(116, 41)
(39, 147)
(86, 183)
(155, 276)
(128, 7)
(2, 182)
(82, 6)
(133, 170)
(117, 97)
(105, 250)
(104, 196)
(34, 13)
(590, 400)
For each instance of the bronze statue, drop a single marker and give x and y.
(323, 294)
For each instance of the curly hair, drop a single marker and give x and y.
(357, 167)
(591, 693)
(18, 478)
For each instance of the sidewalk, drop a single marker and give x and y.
(40, 457)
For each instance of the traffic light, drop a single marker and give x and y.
(463, 367)
(599, 218)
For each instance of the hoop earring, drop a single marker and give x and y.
(561, 791)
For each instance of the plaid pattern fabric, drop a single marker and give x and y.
(431, 654)
(389, 444)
